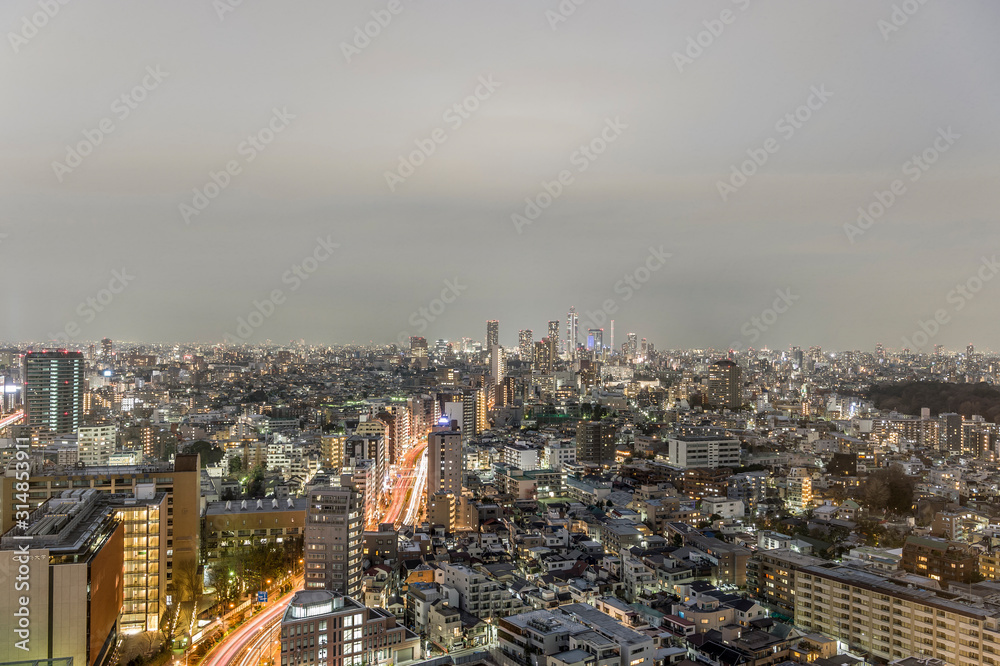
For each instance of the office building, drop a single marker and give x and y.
(543, 356)
(107, 348)
(444, 461)
(53, 390)
(703, 451)
(71, 555)
(181, 482)
(492, 334)
(595, 340)
(320, 628)
(333, 540)
(725, 385)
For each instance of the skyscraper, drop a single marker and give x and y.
(333, 540)
(444, 461)
(554, 334)
(525, 349)
(492, 334)
(632, 344)
(498, 363)
(106, 348)
(611, 343)
(724, 385)
(595, 340)
(543, 355)
(572, 325)
(53, 390)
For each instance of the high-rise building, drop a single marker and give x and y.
(725, 385)
(107, 348)
(333, 540)
(543, 356)
(524, 348)
(595, 442)
(492, 334)
(498, 363)
(53, 390)
(595, 340)
(444, 461)
(572, 333)
(632, 345)
(553, 335)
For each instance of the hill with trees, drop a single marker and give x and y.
(940, 397)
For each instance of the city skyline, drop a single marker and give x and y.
(559, 171)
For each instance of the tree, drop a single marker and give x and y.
(255, 484)
(210, 454)
(235, 465)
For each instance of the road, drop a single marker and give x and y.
(226, 652)
(408, 478)
(11, 419)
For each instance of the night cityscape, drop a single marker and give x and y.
(534, 333)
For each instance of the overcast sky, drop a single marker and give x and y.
(676, 118)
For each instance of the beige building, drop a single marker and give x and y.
(181, 483)
(63, 575)
(892, 619)
(236, 524)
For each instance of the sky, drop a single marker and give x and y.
(201, 170)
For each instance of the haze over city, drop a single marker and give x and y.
(555, 78)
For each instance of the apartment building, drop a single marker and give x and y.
(478, 594)
(893, 619)
(771, 577)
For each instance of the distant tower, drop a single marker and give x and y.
(106, 347)
(492, 334)
(524, 347)
(611, 343)
(554, 334)
(631, 346)
(969, 351)
(572, 333)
